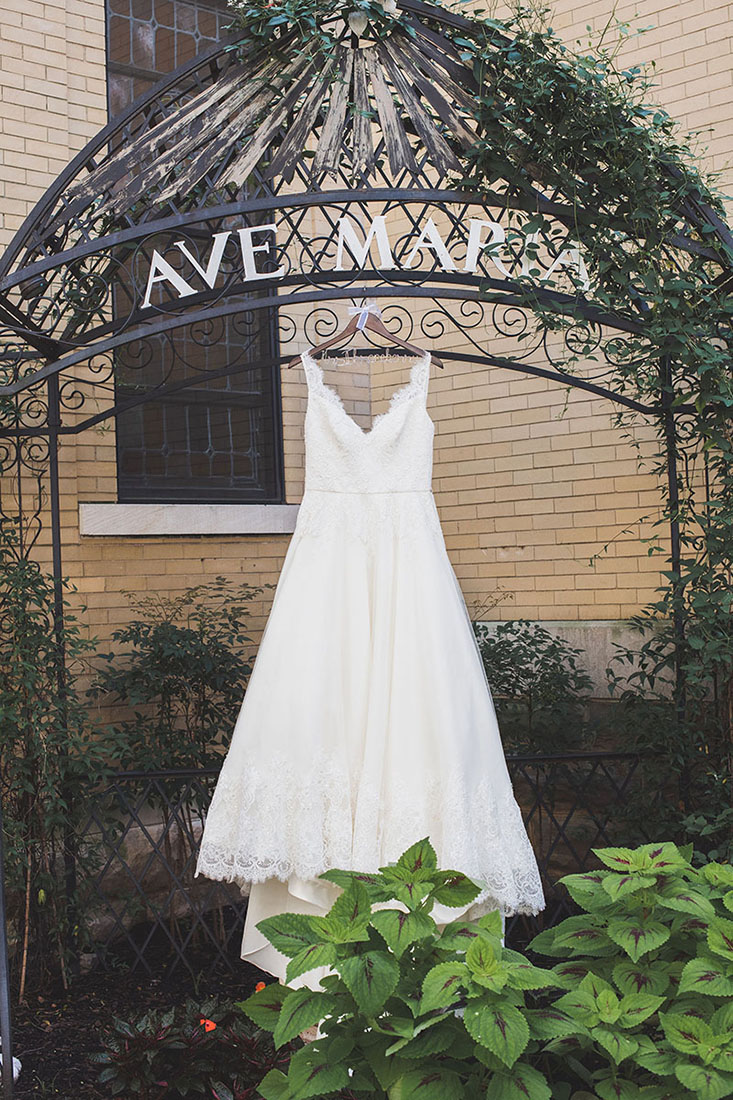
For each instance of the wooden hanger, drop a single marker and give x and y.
(368, 317)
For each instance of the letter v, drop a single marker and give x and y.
(212, 268)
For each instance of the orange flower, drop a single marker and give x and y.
(259, 986)
(209, 1025)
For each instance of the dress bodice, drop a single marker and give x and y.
(396, 455)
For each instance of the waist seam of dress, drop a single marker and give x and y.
(366, 492)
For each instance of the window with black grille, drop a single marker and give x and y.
(214, 434)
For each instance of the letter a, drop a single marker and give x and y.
(431, 239)
(570, 257)
(161, 271)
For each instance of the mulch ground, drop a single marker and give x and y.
(55, 1032)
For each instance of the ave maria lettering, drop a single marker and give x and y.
(484, 236)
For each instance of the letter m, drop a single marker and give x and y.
(360, 251)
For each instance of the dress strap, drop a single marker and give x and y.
(313, 373)
(420, 374)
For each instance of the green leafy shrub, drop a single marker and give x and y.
(165, 1055)
(539, 689)
(387, 1011)
(648, 969)
(638, 1006)
(181, 665)
(51, 761)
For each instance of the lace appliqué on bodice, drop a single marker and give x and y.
(417, 386)
(395, 456)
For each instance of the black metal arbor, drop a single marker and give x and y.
(255, 192)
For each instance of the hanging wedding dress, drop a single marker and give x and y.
(368, 722)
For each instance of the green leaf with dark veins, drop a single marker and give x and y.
(491, 922)
(409, 887)
(657, 1057)
(686, 1032)
(707, 974)
(289, 933)
(618, 859)
(617, 886)
(681, 898)
(312, 1073)
(419, 857)
(521, 1082)
(352, 906)
(616, 1089)
(370, 978)
(579, 1004)
(263, 1008)
(719, 875)
(641, 977)
(442, 985)
(720, 937)
(586, 888)
(274, 1086)
(501, 1028)
(662, 859)
(584, 935)
(430, 1083)
(618, 1045)
(373, 883)
(458, 935)
(319, 954)
(634, 1008)
(484, 966)
(523, 975)
(435, 1039)
(707, 1083)
(455, 889)
(553, 1023)
(637, 937)
(400, 929)
(301, 1009)
(332, 930)
(568, 975)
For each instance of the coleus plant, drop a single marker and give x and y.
(648, 971)
(638, 1007)
(387, 1012)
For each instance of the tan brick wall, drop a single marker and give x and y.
(52, 96)
(531, 484)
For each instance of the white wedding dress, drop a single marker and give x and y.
(368, 722)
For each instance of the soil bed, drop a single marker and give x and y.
(55, 1033)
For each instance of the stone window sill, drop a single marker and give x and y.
(122, 520)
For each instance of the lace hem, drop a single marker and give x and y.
(279, 822)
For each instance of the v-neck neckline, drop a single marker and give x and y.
(338, 401)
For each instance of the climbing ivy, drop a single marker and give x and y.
(580, 129)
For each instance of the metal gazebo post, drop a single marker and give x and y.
(678, 615)
(54, 425)
(5, 1022)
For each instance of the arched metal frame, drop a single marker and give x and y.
(242, 137)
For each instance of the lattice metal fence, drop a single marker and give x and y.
(148, 906)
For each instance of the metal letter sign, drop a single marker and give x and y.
(469, 248)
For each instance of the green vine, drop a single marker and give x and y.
(318, 26)
(579, 129)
